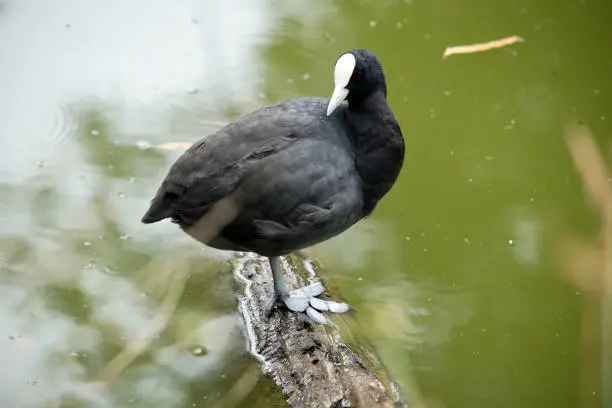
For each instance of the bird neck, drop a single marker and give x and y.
(378, 146)
(371, 103)
(372, 122)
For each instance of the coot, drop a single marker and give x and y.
(291, 175)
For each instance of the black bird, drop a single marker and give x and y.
(291, 175)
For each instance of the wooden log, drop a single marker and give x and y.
(312, 364)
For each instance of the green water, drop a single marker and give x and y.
(456, 278)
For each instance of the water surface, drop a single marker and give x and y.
(457, 277)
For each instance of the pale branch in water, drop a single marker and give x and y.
(480, 47)
(311, 363)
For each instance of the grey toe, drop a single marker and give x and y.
(337, 307)
(316, 316)
(304, 300)
(296, 303)
(314, 289)
(328, 305)
(318, 304)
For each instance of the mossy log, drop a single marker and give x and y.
(314, 365)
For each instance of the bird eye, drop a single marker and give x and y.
(357, 75)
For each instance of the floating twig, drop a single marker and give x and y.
(479, 47)
(173, 145)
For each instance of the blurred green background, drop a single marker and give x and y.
(458, 279)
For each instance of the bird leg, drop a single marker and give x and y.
(301, 299)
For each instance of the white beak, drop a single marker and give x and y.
(342, 76)
(339, 95)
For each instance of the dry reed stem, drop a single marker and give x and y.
(480, 47)
(596, 178)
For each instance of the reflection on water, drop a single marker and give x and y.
(81, 279)
(455, 279)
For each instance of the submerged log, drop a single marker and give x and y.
(313, 364)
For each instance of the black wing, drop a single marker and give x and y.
(252, 146)
(297, 197)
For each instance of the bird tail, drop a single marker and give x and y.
(160, 208)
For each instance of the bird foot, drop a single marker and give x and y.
(304, 300)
